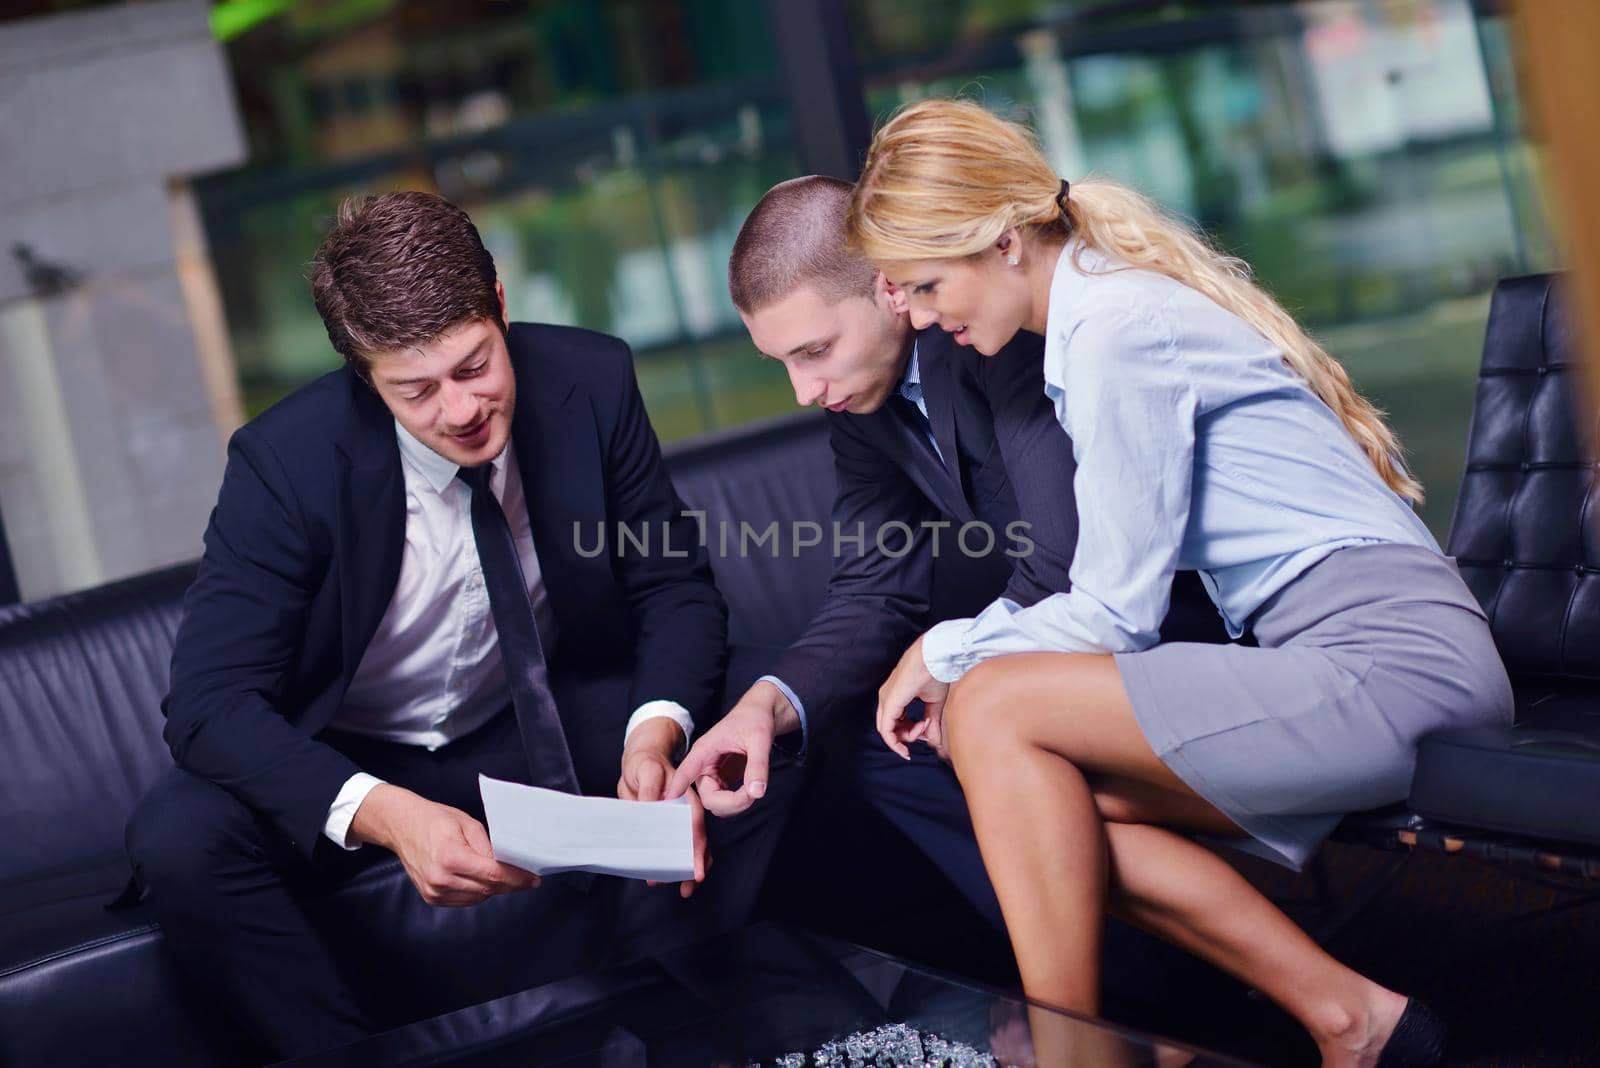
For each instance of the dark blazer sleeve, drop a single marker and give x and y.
(680, 620)
(243, 620)
(876, 602)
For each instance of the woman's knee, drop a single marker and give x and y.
(977, 729)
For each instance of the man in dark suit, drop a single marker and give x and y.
(392, 600)
(961, 450)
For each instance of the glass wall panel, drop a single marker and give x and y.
(607, 151)
(1370, 160)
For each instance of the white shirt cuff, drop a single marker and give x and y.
(944, 650)
(351, 794)
(673, 711)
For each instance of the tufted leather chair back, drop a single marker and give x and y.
(1524, 531)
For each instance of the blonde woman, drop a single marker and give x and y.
(1211, 433)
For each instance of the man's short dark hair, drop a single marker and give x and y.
(399, 270)
(795, 236)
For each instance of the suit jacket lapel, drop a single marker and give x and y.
(934, 360)
(917, 459)
(372, 526)
(559, 460)
(936, 369)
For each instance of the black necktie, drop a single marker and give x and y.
(520, 649)
(916, 422)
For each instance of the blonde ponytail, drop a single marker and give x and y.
(945, 179)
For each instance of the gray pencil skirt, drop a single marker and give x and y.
(1365, 652)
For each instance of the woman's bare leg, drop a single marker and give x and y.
(1179, 890)
(1037, 823)
(1046, 747)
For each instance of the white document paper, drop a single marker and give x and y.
(547, 832)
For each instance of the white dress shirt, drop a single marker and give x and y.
(433, 671)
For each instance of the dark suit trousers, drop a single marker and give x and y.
(228, 888)
(230, 894)
(922, 798)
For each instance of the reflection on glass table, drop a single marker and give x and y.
(765, 996)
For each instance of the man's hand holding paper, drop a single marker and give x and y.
(445, 852)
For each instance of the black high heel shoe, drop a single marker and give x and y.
(1417, 1040)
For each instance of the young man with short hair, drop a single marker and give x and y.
(391, 601)
(963, 449)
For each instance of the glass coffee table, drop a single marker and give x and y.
(767, 995)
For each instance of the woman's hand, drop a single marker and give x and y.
(909, 681)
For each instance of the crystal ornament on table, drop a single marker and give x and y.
(890, 1046)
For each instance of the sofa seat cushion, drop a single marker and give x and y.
(1539, 778)
(73, 972)
(60, 915)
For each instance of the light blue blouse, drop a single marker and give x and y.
(1197, 448)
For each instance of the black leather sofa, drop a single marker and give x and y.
(81, 678)
(1526, 534)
